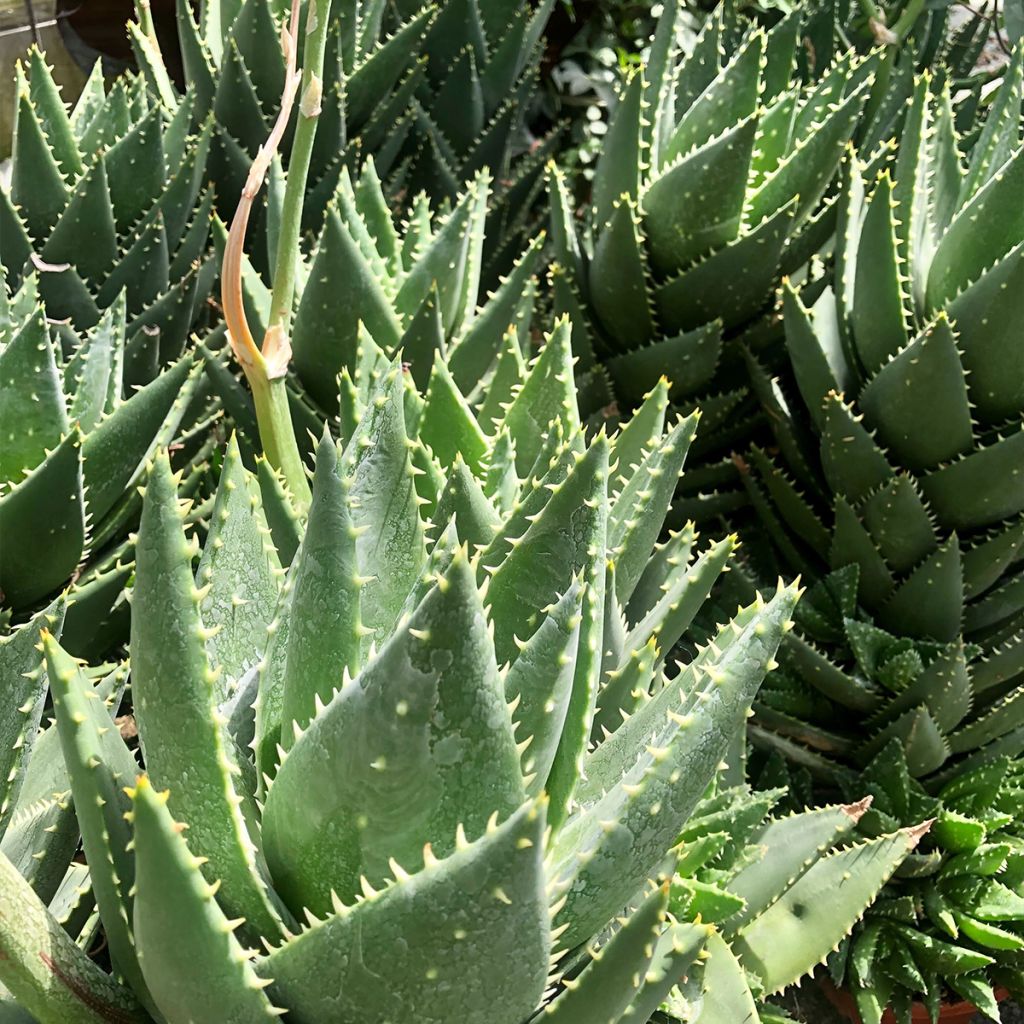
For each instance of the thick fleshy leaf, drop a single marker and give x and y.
(100, 766)
(985, 314)
(239, 573)
(323, 343)
(48, 974)
(606, 986)
(982, 489)
(466, 938)
(917, 402)
(696, 205)
(539, 685)
(24, 682)
(834, 892)
(619, 280)
(643, 783)
(33, 416)
(983, 231)
(618, 169)
(731, 284)
(183, 742)
(419, 744)
(42, 522)
(206, 977)
(547, 396)
(323, 620)
(390, 545)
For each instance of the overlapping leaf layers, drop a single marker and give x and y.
(445, 736)
(103, 237)
(902, 470)
(707, 190)
(915, 34)
(433, 93)
(780, 892)
(950, 923)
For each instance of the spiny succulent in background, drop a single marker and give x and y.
(707, 190)
(76, 441)
(234, 66)
(951, 923)
(912, 34)
(901, 471)
(109, 198)
(477, 109)
(780, 892)
(104, 270)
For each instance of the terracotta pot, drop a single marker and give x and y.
(951, 1013)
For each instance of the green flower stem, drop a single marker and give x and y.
(277, 432)
(906, 20)
(283, 294)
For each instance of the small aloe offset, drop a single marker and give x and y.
(396, 733)
(781, 894)
(951, 923)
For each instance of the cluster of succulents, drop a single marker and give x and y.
(434, 93)
(425, 700)
(104, 271)
(709, 188)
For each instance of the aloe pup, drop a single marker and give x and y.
(949, 924)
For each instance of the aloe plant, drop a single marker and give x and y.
(899, 473)
(781, 893)
(78, 441)
(433, 93)
(104, 270)
(109, 198)
(709, 188)
(447, 717)
(406, 599)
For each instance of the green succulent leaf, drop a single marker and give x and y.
(441, 756)
(466, 938)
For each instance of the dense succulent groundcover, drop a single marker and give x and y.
(426, 699)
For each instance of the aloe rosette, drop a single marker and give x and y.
(948, 926)
(109, 197)
(709, 188)
(104, 271)
(900, 472)
(444, 738)
(433, 93)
